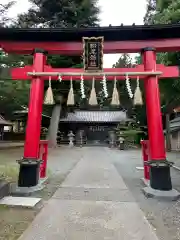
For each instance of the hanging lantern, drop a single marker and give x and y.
(115, 95)
(93, 97)
(70, 99)
(138, 95)
(49, 99)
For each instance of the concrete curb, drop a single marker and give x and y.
(25, 191)
(172, 195)
(177, 168)
(145, 182)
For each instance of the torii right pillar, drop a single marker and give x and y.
(160, 178)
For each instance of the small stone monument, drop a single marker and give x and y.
(81, 133)
(121, 142)
(112, 139)
(71, 138)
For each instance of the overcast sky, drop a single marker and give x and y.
(113, 12)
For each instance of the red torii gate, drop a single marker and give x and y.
(155, 129)
(120, 39)
(160, 168)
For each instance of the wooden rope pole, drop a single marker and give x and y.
(33, 74)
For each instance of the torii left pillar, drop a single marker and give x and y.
(30, 163)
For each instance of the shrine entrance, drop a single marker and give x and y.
(87, 41)
(97, 134)
(93, 126)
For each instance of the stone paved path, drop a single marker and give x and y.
(93, 203)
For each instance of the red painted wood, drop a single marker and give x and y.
(76, 48)
(146, 158)
(43, 155)
(21, 73)
(153, 109)
(33, 129)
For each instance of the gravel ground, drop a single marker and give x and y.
(164, 216)
(14, 221)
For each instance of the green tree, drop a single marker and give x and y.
(4, 8)
(154, 8)
(166, 12)
(138, 113)
(13, 94)
(60, 13)
(63, 14)
(79, 13)
(151, 9)
(125, 61)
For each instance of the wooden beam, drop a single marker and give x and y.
(22, 73)
(76, 48)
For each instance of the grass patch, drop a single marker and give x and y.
(9, 172)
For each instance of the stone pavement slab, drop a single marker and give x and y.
(89, 220)
(93, 203)
(94, 171)
(94, 194)
(28, 202)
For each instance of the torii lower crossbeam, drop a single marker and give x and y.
(161, 70)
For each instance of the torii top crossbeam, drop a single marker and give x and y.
(67, 41)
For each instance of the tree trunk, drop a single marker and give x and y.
(53, 127)
(168, 134)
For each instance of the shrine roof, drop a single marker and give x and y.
(25, 112)
(174, 125)
(111, 33)
(95, 116)
(4, 122)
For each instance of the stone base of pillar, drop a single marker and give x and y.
(28, 172)
(26, 191)
(171, 195)
(29, 180)
(145, 182)
(160, 186)
(160, 177)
